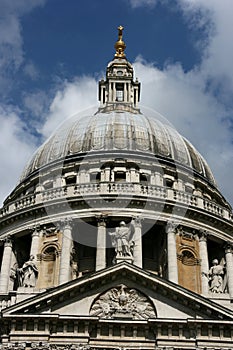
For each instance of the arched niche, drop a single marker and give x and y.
(49, 261)
(189, 271)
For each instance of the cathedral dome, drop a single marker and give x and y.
(119, 129)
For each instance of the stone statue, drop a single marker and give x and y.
(216, 273)
(28, 273)
(121, 240)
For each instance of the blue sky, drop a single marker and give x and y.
(53, 52)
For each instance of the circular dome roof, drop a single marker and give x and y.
(118, 130)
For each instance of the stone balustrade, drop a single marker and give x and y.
(114, 188)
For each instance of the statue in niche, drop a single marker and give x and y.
(122, 240)
(216, 273)
(28, 273)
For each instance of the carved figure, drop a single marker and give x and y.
(216, 273)
(122, 301)
(28, 273)
(121, 240)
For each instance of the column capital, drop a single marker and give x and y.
(101, 219)
(203, 234)
(228, 247)
(171, 227)
(137, 221)
(66, 223)
(35, 231)
(8, 241)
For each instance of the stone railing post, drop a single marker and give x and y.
(6, 266)
(67, 242)
(171, 252)
(204, 262)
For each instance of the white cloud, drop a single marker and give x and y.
(138, 3)
(217, 60)
(69, 99)
(31, 71)
(15, 148)
(196, 114)
(36, 103)
(199, 102)
(16, 144)
(10, 29)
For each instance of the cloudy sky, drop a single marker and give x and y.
(52, 53)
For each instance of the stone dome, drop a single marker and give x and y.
(122, 130)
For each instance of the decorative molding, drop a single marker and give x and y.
(171, 227)
(123, 302)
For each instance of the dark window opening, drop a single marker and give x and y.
(120, 176)
(95, 177)
(169, 183)
(119, 92)
(71, 180)
(144, 179)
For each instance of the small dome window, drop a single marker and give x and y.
(119, 92)
(95, 177)
(120, 176)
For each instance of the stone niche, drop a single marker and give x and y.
(49, 258)
(189, 269)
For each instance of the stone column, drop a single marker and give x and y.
(137, 251)
(204, 262)
(67, 243)
(229, 267)
(6, 266)
(171, 252)
(114, 93)
(35, 242)
(101, 244)
(125, 93)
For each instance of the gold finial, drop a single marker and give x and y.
(120, 45)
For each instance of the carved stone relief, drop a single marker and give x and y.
(123, 302)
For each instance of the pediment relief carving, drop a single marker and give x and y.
(123, 302)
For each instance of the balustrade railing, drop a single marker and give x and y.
(118, 188)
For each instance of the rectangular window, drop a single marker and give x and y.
(119, 92)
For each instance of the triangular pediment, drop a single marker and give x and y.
(125, 287)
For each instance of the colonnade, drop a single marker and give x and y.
(67, 245)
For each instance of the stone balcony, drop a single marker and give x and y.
(143, 192)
